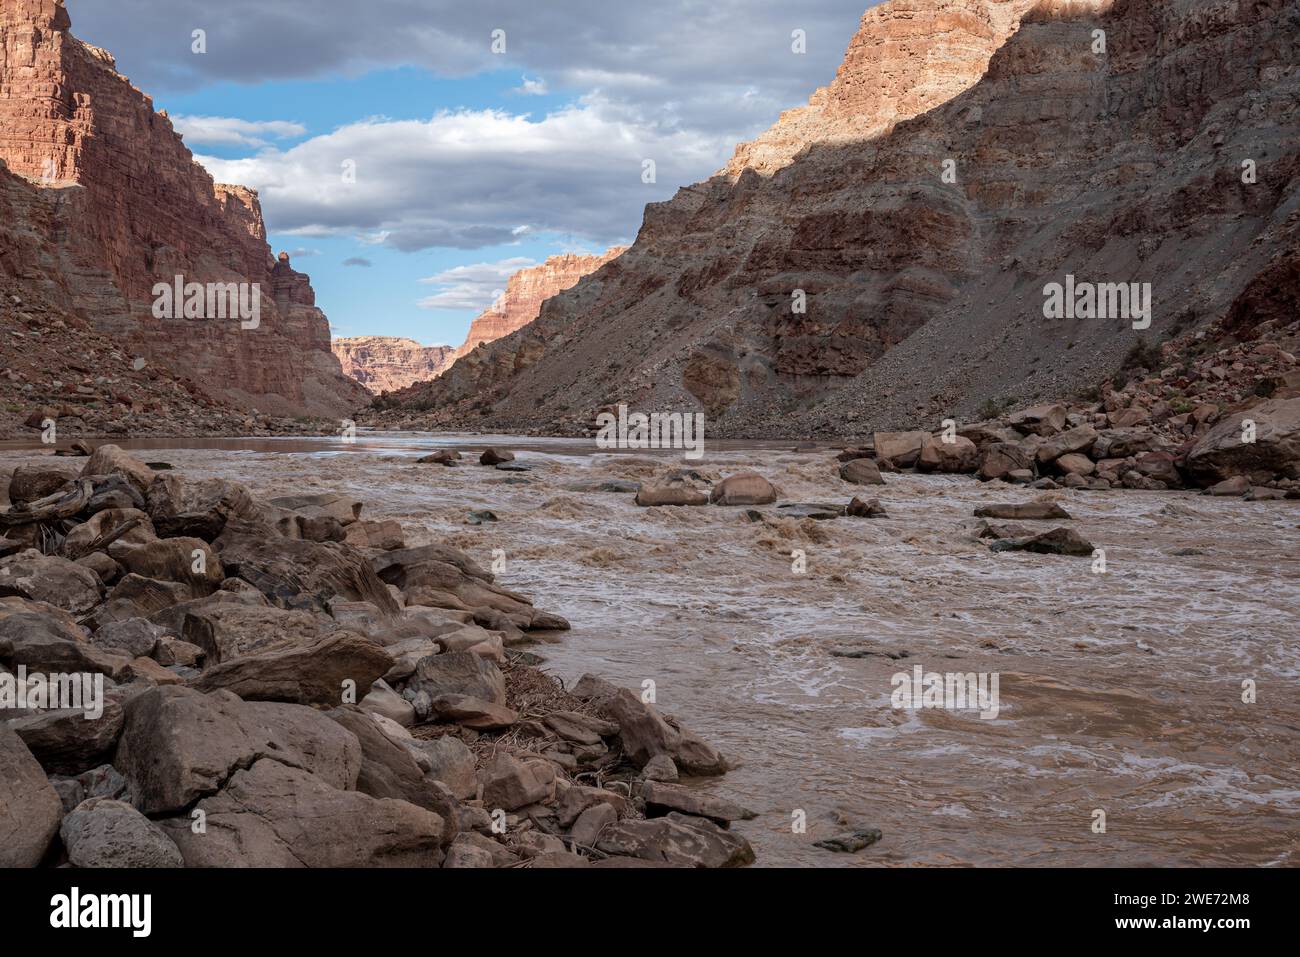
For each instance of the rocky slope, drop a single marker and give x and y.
(924, 296)
(101, 200)
(388, 363)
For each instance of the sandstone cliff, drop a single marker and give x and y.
(111, 202)
(525, 292)
(388, 363)
(924, 293)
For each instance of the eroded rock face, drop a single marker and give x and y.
(1273, 449)
(389, 363)
(105, 201)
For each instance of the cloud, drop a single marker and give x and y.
(472, 287)
(230, 131)
(358, 261)
(687, 66)
(473, 179)
(530, 87)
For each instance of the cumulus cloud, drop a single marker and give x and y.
(471, 179)
(472, 287)
(230, 131)
(530, 87)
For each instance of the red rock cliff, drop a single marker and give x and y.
(388, 363)
(129, 207)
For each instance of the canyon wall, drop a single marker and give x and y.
(879, 257)
(388, 363)
(124, 206)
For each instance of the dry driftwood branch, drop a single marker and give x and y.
(52, 508)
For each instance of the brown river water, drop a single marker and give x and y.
(1119, 692)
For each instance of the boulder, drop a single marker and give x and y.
(178, 745)
(1039, 419)
(47, 578)
(30, 483)
(47, 644)
(302, 573)
(677, 840)
(188, 560)
(1074, 463)
(102, 832)
(1123, 443)
(868, 509)
(1234, 487)
(958, 456)
(578, 798)
(675, 495)
(509, 783)
(388, 769)
(318, 673)
(30, 809)
(1023, 511)
(274, 815)
(743, 488)
(1059, 541)
(1221, 454)
(591, 823)
(197, 509)
(458, 673)
(110, 459)
(495, 457)
(448, 457)
(383, 700)
(385, 535)
(227, 630)
(1078, 439)
(861, 472)
(644, 733)
(901, 448)
(471, 712)
(452, 764)
(1161, 467)
(1001, 459)
(69, 741)
(662, 798)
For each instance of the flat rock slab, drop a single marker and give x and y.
(1024, 511)
(850, 843)
(662, 798)
(1059, 541)
(677, 840)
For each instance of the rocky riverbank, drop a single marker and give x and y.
(286, 683)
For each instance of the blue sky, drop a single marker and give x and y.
(477, 137)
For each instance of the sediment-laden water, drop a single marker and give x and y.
(1119, 692)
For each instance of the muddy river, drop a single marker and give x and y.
(1119, 693)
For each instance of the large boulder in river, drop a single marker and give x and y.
(30, 809)
(1078, 439)
(276, 815)
(1003, 458)
(178, 745)
(861, 472)
(743, 488)
(956, 456)
(901, 448)
(1221, 453)
(650, 496)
